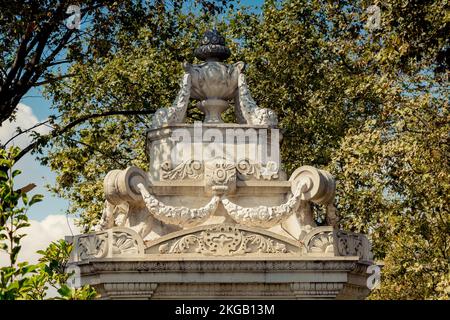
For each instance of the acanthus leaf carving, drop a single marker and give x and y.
(93, 246)
(223, 241)
(177, 112)
(246, 109)
(190, 169)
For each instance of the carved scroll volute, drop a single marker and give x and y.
(121, 185)
(320, 185)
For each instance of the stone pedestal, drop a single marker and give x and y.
(224, 262)
(215, 216)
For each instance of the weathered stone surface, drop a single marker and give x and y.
(215, 215)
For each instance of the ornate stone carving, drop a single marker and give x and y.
(198, 249)
(219, 172)
(320, 188)
(117, 241)
(247, 170)
(124, 243)
(246, 109)
(120, 192)
(263, 216)
(112, 215)
(180, 216)
(190, 169)
(177, 112)
(319, 240)
(92, 246)
(321, 243)
(352, 244)
(224, 241)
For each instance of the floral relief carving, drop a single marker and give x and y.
(220, 172)
(190, 169)
(93, 246)
(223, 241)
(247, 170)
(124, 243)
(321, 243)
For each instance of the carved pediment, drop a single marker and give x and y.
(223, 240)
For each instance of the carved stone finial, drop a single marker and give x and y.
(212, 47)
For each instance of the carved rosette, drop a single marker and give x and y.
(223, 240)
(219, 172)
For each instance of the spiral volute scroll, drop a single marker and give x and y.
(121, 185)
(320, 185)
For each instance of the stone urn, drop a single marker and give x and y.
(213, 83)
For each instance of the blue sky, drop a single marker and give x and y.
(32, 171)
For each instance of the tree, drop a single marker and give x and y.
(371, 106)
(367, 104)
(39, 40)
(22, 280)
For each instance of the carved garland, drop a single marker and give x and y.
(262, 216)
(180, 216)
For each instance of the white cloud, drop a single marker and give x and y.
(24, 119)
(32, 171)
(40, 234)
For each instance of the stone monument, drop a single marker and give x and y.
(215, 216)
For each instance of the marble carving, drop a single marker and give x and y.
(180, 216)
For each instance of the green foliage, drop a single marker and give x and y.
(22, 280)
(371, 106)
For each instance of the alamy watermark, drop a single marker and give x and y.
(205, 143)
(74, 280)
(373, 18)
(374, 280)
(73, 22)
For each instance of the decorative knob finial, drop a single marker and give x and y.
(212, 47)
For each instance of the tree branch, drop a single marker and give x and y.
(58, 131)
(25, 131)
